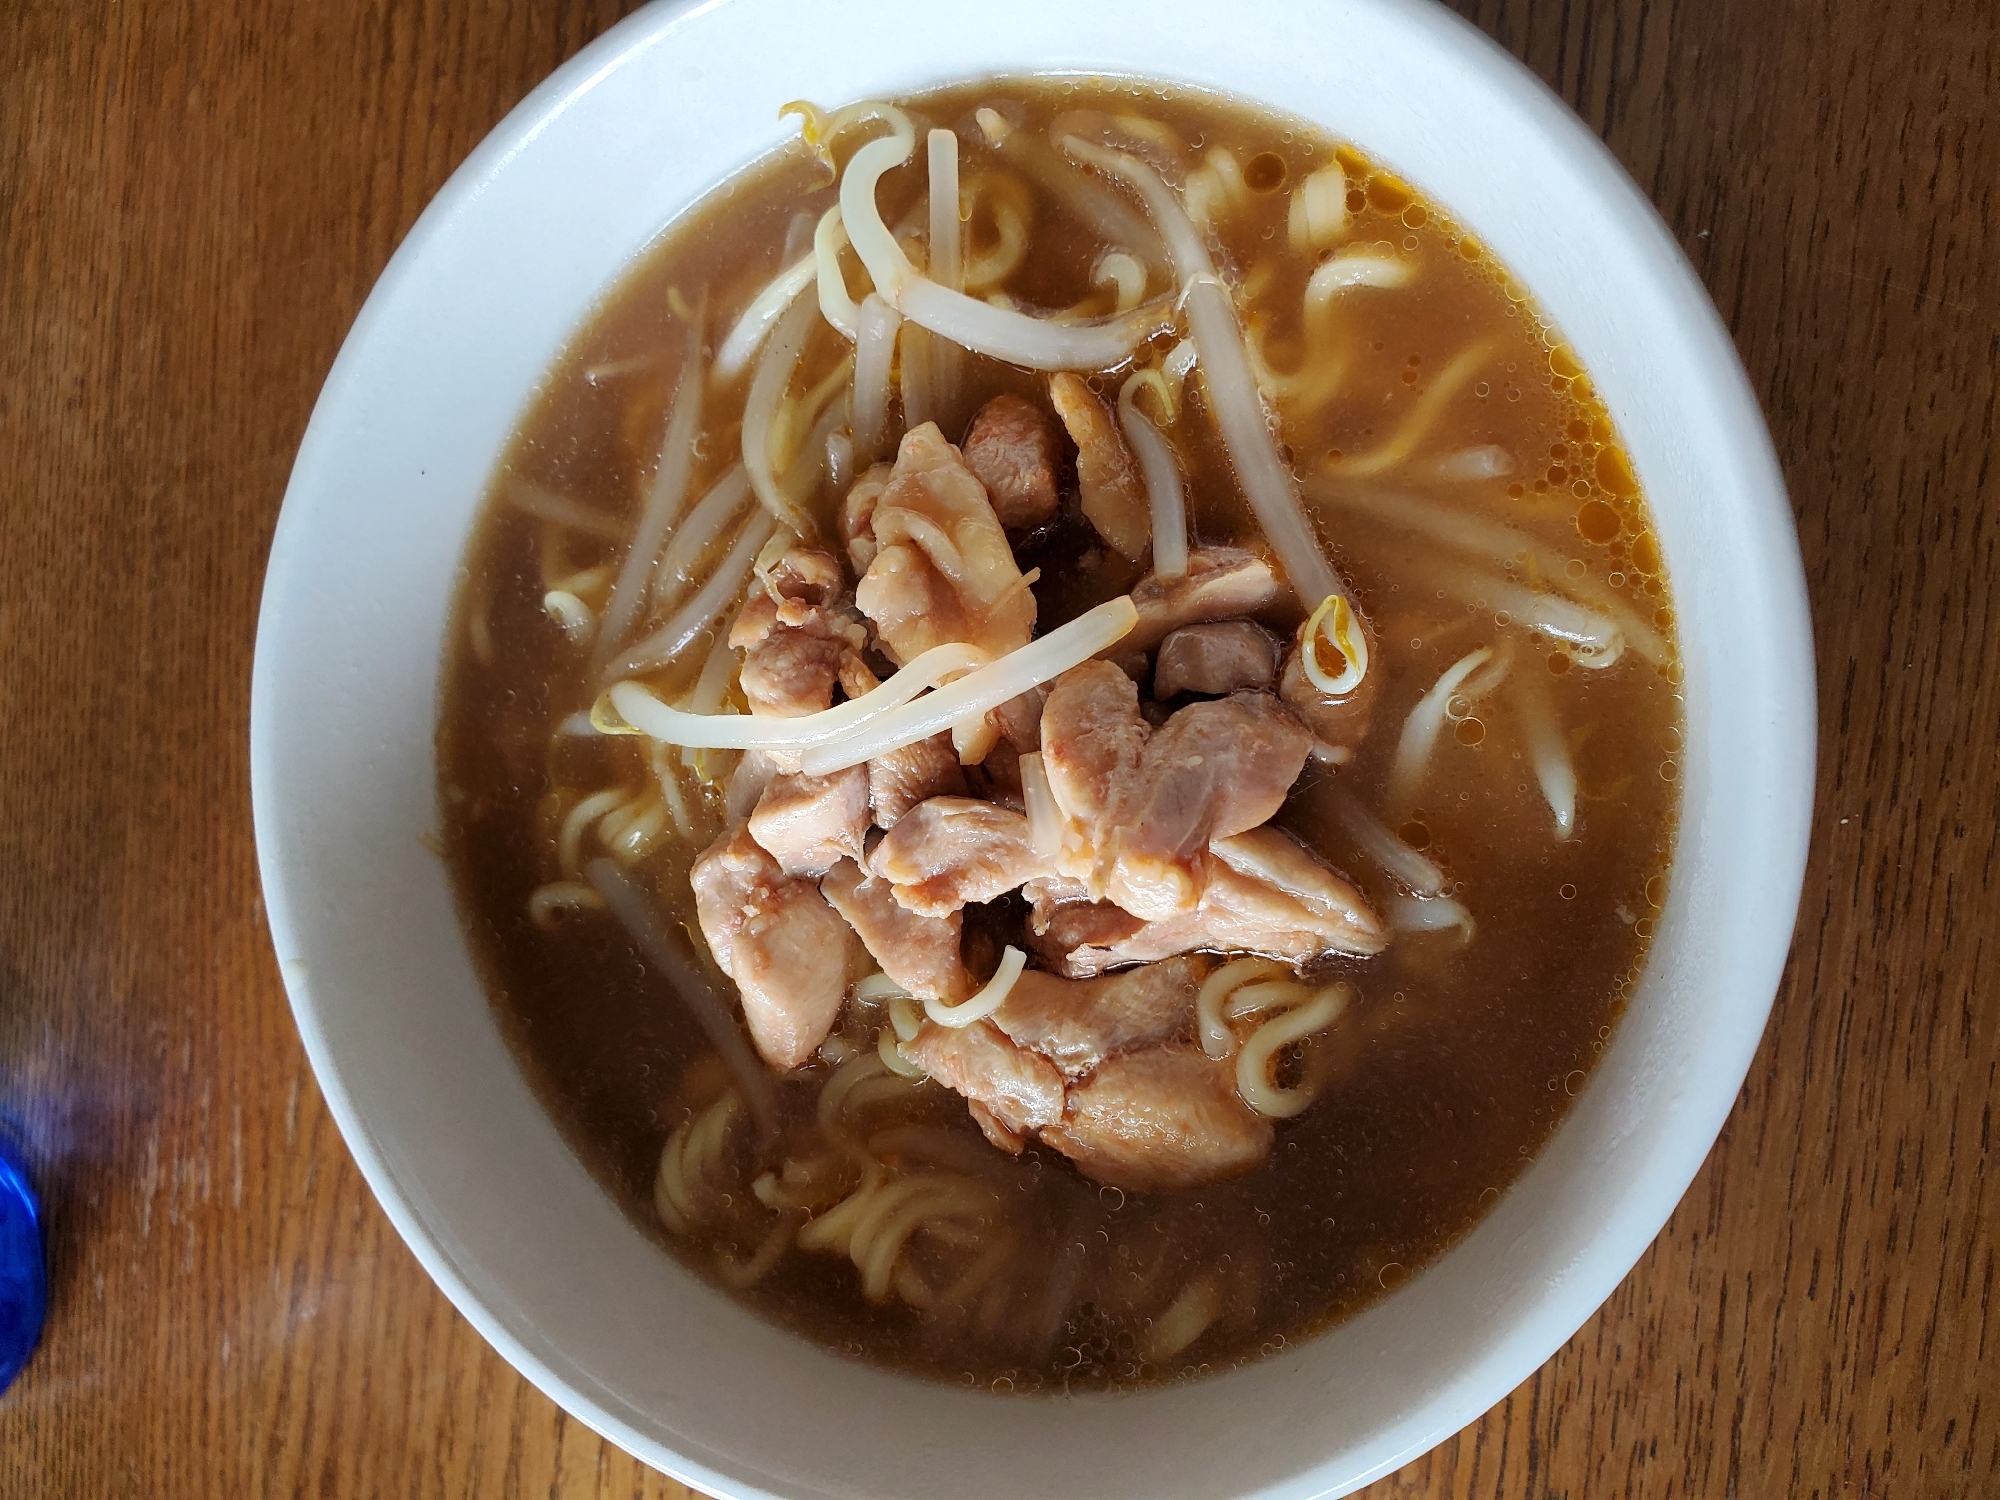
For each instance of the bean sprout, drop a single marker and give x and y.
(915, 348)
(643, 712)
(1431, 914)
(980, 691)
(775, 368)
(723, 588)
(1426, 721)
(892, 1055)
(1232, 392)
(1165, 492)
(1186, 1319)
(1554, 770)
(1381, 844)
(994, 331)
(761, 316)
(874, 364)
(1352, 268)
(634, 909)
(1126, 272)
(1318, 216)
(1499, 543)
(836, 303)
(946, 262)
(1045, 819)
(571, 613)
(990, 997)
(876, 988)
(664, 499)
(1595, 640)
(1336, 622)
(551, 903)
(546, 505)
(695, 535)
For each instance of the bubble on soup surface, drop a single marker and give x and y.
(1265, 172)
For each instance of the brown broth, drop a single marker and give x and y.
(1461, 1057)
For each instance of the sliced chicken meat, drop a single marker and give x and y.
(1214, 769)
(1013, 447)
(1165, 1117)
(950, 851)
(1102, 1071)
(857, 515)
(1146, 803)
(1114, 489)
(901, 779)
(1221, 583)
(753, 772)
(1214, 658)
(1078, 1023)
(1340, 723)
(1266, 893)
(1021, 1089)
(919, 953)
(1063, 918)
(1093, 739)
(800, 637)
(941, 570)
(778, 939)
(810, 823)
(1013, 1142)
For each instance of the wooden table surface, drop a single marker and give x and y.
(195, 198)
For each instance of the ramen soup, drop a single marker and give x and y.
(1059, 740)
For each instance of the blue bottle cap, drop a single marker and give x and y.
(24, 1287)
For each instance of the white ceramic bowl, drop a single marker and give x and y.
(494, 279)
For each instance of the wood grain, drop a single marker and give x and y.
(194, 199)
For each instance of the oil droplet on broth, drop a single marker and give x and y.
(1614, 472)
(1646, 553)
(1470, 731)
(1597, 522)
(1418, 837)
(1388, 194)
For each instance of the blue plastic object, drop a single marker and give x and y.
(24, 1285)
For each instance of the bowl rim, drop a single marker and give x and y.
(1708, 1101)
